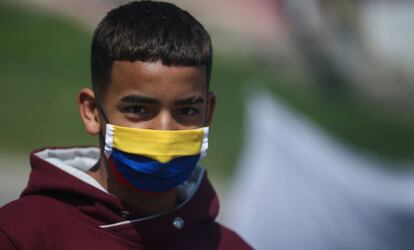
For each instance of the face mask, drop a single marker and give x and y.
(154, 160)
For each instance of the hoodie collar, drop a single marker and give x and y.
(74, 161)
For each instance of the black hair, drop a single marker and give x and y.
(148, 31)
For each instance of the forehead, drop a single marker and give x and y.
(153, 79)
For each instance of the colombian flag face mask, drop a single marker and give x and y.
(154, 160)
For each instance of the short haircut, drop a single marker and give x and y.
(148, 31)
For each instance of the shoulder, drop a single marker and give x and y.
(28, 214)
(31, 222)
(231, 240)
(28, 208)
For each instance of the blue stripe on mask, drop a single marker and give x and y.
(150, 175)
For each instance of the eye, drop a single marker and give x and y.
(136, 109)
(188, 111)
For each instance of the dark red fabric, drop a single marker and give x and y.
(59, 211)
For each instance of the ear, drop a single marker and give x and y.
(211, 105)
(88, 111)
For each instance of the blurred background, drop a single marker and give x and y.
(314, 97)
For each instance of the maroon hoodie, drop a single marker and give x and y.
(64, 208)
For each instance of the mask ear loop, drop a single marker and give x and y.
(101, 134)
(207, 111)
(205, 117)
(101, 111)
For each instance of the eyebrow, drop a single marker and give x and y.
(190, 101)
(147, 100)
(139, 99)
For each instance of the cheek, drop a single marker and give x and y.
(194, 121)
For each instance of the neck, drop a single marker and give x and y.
(136, 201)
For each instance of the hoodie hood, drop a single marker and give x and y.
(61, 174)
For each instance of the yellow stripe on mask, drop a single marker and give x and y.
(160, 145)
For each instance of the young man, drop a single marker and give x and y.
(151, 108)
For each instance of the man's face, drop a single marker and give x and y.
(154, 96)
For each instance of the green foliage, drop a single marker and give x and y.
(44, 62)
